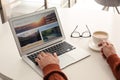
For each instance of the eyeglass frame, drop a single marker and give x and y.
(81, 35)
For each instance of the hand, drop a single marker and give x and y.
(43, 59)
(107, 48)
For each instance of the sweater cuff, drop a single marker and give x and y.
(50, 68)
(113, 60)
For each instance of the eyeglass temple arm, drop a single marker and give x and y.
(88, 30)
(74, 30)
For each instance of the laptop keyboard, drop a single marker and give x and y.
(59, 49)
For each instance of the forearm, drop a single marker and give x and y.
(114, 62)
(53, 72)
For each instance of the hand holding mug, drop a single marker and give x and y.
(107, 48)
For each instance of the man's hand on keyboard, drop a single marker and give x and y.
(43, 59)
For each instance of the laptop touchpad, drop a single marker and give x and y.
(65, 60)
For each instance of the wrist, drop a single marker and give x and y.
(50, 68)
(109, 55)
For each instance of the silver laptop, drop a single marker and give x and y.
(42, 31)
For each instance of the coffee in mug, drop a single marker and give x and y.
(99, 36)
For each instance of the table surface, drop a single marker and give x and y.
(91, 68)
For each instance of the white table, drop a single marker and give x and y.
(92, 68)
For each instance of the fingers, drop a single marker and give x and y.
(42, 54)
(103, 43)
(37, 60)
(55, 55)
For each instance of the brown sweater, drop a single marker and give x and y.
(114, 62)
(53, 72)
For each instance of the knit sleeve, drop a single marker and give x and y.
(53, 72)
(114, 62)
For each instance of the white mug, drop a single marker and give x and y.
(99, 36)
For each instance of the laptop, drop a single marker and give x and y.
(42, 31)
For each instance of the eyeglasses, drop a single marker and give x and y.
(85, 34)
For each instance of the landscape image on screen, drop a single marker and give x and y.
(27, 38)
(51, 34)
(43, 20)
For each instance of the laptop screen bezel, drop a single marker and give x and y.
(41, 46)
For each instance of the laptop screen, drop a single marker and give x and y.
(36, 30)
